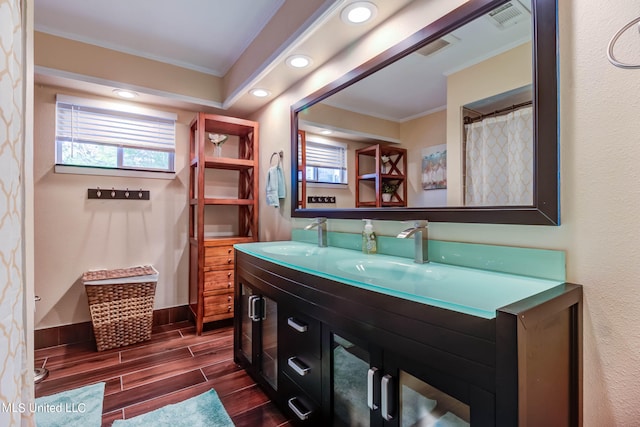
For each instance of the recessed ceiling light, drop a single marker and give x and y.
(298, 61)
(359, 12)
(123, 93)
(260, 93)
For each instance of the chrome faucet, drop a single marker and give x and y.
(421, 243)
(321, 223)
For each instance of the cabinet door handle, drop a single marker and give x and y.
(387, 409)
(298, 366)
(297, 325)
(372, 388)
(303, 413)
(252, 307)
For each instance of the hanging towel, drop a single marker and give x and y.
(282, 190)
(272, 187)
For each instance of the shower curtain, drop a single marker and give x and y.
(499, 160)
(16, 389)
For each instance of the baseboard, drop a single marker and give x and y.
(83, 332)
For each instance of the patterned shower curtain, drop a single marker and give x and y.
(16, 380)
(499, 160)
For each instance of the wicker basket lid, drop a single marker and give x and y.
(141, 273)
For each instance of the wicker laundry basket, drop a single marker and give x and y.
(121, 304)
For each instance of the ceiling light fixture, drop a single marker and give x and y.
(123, 93)
(359, 12)
(260, 93)
(299, 61)
(326, 132)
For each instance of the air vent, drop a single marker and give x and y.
(508, 14)
(437, 45)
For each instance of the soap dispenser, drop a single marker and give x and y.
(369, 243)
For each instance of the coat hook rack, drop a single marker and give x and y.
(113, 194)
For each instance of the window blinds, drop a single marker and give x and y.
(326, 156)
(89, 121)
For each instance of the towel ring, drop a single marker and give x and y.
(279, 155)
(613, 41)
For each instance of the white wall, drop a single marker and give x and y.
(74, 234)
(600, 148)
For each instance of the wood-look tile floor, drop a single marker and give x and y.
(174, 365)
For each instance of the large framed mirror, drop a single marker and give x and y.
(459, 123)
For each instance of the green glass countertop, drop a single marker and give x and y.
(466, 290)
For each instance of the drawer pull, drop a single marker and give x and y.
(298, 408)
(229, 274)
(298, 366)
(229, 261)
(297, 325)
(229, 309)
(229, 298)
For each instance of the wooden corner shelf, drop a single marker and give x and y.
(372, 174)
(211, 259)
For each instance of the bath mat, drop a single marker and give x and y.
(204, 410)
(80, 407)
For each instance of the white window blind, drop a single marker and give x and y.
(326, 162)
(111, 135)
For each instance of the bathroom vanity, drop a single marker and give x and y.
(338, 338)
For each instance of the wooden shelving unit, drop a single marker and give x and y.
(211, 258)
(370, 174)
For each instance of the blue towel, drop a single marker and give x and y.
(282, 190)
(272, 187)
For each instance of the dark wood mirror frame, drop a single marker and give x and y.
(546, 207)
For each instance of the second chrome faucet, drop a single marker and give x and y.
(321, 223)
(420, 238)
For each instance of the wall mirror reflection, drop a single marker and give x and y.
(452, 129)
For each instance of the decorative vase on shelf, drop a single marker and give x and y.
(386, 197)
(384, 163)
(217, 139)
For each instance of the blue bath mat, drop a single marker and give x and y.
(80, 407)
(204, 410)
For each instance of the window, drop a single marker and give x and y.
(106, 135)
(326, 162)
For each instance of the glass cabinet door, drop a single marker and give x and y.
(269, 350)
(246, 323)
(422, 405)
(258, 342)
(350, 373)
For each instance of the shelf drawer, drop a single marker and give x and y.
(218, 263)
(301, 334)
(300, 406)
(218, 304)
(210, 251)
(218, 281)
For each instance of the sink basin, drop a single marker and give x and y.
(382, 270)
(293, 249)
(471, 291)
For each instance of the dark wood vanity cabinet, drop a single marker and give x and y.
(349, 356)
